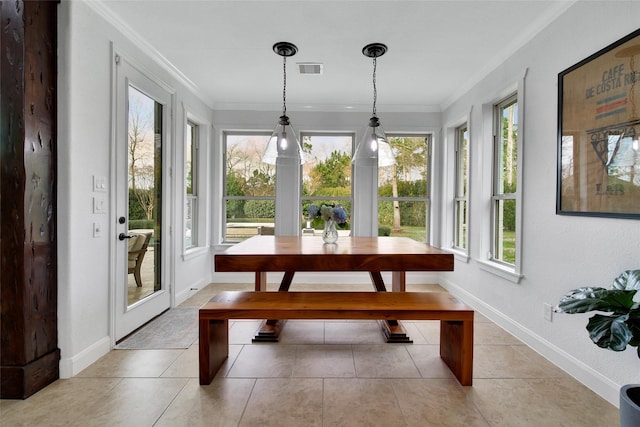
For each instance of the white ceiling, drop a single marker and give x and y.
(437, 49)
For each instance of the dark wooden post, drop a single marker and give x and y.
(29, 354)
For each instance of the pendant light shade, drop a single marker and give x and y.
(283, 143)
(374, 145)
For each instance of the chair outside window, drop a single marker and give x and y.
(137, 248)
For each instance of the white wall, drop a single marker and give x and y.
(560, 252)
(84, 150)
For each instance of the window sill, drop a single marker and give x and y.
(192, 253)
(460, 255)
(501, 271)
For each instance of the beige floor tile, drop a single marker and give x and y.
(430, 330)
(505, 361)
(284, 402)
(60, 403)
(302, 332)
(363, 332)
(551, 370)
(361, 402)
(490, 333)
(510, 402)
(132, 402)
(427, 360)
(414, 333)
(479, 318)
(185, 366)
(132, 363)
(219, 404)
(540, 403)
(436, 402)
(425, 288)
(243, 331)
(264, 361)
(384, 361)
(324, 361)
(571, 402)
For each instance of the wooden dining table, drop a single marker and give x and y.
(291, 254)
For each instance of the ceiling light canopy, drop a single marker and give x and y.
(283, 143)
(374, 145)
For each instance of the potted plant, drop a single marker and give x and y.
(615, 330)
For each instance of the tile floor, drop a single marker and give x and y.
(322, 373)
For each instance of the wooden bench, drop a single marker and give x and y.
(456, 319)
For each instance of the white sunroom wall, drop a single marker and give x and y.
(86, 37)
(559, 252)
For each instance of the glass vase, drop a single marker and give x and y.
(330, 234)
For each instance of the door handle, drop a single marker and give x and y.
(123, 236)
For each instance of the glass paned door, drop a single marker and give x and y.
(142, 129)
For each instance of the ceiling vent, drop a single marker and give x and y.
(314, 68)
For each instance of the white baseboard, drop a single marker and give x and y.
(583, 373)
(184, 295)
(72, 366)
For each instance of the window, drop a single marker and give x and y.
(403, 189)
(326, 174)
(249, 189)
(505, 186)
(191, 186)
(460, 197)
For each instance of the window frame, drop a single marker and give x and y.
(428, 138)
(225, 197)
(192, 139)
(461, 180)
(499, 196)
(311, 199)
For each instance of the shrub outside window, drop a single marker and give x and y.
(326, 176)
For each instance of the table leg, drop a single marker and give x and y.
(398, 281)
(269, 330)
(392, 329)
(261, 281)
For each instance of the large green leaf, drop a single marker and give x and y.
(628, 280)
(609, 331)
(583, 300)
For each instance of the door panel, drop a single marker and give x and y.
(142, 126)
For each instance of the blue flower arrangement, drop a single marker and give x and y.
(328, 213)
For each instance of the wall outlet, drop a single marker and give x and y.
(97, 229)
(548, 312)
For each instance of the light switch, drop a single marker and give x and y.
(99, 205)
(99, 183)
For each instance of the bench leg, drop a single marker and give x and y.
(456, 348)
(213, 348)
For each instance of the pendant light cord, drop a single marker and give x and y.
(284, 86)
(375, 90)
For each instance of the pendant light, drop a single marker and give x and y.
(283, 142)
(374, 144)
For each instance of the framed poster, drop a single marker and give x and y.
(599, 133)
